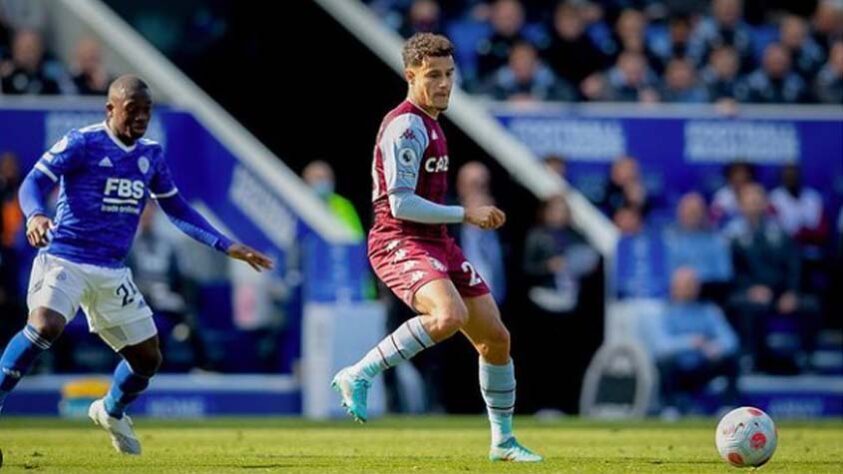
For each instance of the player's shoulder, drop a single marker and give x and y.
(92, 132)
(405, 111)
(88, 134)
(74, 139)
(406, 122)
(150, 145)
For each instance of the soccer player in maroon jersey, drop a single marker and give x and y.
(412, 253)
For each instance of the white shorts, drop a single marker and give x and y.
(114, 307)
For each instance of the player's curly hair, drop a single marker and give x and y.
(425, 45)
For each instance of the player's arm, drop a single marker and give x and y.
(31, 196)
(193, 224)
(62, 158)
(402, 146)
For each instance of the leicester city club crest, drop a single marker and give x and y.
(143, 164)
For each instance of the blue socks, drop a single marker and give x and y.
(497, 385)
(20, 354)
(23, 350)
(125, 388)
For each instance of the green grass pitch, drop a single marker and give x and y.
(435, 445)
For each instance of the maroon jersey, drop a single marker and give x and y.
(411, 153)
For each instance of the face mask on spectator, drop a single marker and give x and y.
(324, 188)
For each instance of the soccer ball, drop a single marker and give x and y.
(746, 437)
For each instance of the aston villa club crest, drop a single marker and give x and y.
(143, 164)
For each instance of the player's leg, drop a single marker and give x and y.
(137, 343)
(118, 313)
(132, 375)
(55, 289)
(443, 314)
(42, 328)
(490, 338)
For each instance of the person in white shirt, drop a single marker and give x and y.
(799, 209)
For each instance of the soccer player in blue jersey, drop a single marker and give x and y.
(104, 172)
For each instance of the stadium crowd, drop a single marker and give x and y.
(676, 51)
(744, 275)
(27, 66)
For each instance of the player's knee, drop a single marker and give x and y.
(47, 323)
(496, 344)
(452, 318)
(147, 362)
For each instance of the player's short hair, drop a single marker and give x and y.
(425, 45)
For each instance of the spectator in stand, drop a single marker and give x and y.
(767, 279)
(156, 273)
(693, 243)
(25, 14)
(724, 205)
(572, 53)
(27, 72)
(774, 82)
(556, 258)
(11, 224)
(641, 260)
(624, 188)
(595, 88)
(721, 75)
(526, 78)
(507, 21)
(724, 27)
(829, 84)
(806, 55)
(481, 247)
(692, 343)
(631, 80)
(424, 16)
(91, 77)
(556, 164)
(663, 49)
(827, 24)
(5, 39)
(799, 208)
(319, 176)
(629, 32)
(681, 84)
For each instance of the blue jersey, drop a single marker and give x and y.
(103, 189)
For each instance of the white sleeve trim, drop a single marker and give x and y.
(43, 168)
(169, 193)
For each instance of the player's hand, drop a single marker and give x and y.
(485, 217)
(37, 229)
(257, 260)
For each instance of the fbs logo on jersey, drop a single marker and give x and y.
(122, 195)
(124, 188)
